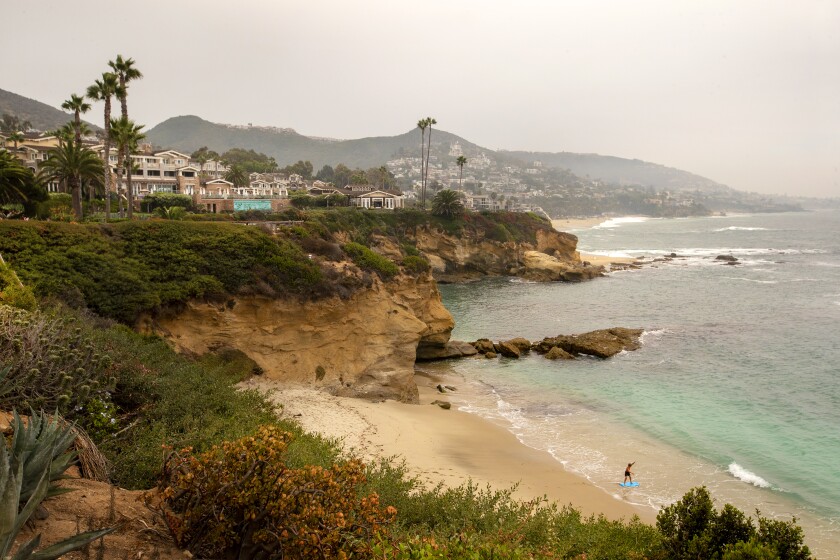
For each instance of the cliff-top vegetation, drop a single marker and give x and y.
(120, 270)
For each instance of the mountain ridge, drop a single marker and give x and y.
(187, 133)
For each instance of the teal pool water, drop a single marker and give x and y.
(737, 386)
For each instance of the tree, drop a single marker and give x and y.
(461, 161)
(77, 105)
(342, 175)
(421, 124)
(127, 135)
(202, 156)
(237, 175)
(326, 174)
(11, 123)
(103, 90)
(18, 185)
(125, 72)
(447, 203)
(17, 137)
(429, 121)
(73, 163)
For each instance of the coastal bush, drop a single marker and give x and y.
(153, 201)
(691, 528)
(49, 364)
(12, 292)
(368, 260)
(120, 270)
(241, 500)
(416, 264)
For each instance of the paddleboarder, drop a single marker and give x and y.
(629, 473)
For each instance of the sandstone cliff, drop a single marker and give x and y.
(472, 254)
(364, 346)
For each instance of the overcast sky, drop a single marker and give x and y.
(744, 92)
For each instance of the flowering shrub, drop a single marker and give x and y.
(240, 500)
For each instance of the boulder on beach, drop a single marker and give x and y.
(602, 343)
(452, 349)
(443, 404)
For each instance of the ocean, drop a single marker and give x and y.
(736, 386)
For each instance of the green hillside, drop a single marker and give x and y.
(40, 115)
(188, 133)
(622, 171)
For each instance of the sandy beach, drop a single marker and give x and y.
(447, 446)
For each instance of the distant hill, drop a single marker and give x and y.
(188, 133)
(42, 116)
(622, 171)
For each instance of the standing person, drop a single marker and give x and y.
(628, 473)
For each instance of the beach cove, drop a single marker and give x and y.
(567, 433)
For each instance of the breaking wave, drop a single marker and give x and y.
(744, 475)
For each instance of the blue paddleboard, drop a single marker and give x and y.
(628, 484)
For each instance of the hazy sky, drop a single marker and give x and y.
(745, 92)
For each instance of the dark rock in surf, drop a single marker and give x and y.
(603, 343)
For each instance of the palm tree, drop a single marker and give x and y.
(421, 124)
(127, 135)
(73, 163)
(237, 176)
(126, 72)
(78, 105)
(461, 161)
(429, 121)
(16, 137)
(447, 203)
(103, 90)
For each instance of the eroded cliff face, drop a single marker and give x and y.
(471, 255)
(364, 346)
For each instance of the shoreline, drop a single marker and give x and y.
(450, 447)
(568, 224)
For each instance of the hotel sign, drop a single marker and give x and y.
(239, 205)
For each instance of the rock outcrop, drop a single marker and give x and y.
(364, 346)
(472, 255)
(601, 343)
(542, 267)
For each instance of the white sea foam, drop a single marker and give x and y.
(744, 475)
(617, 222)
(752, 280)
(738, 228)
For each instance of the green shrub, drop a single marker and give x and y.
(50, 364)
(241, 500)
(153, 201)
(12, 292)
(120, 270)
(368, 260)
(691, 528)
(416, 264)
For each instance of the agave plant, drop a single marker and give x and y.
(38, 455)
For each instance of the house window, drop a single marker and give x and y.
(189, 173)
(154, 173)
(168, 173)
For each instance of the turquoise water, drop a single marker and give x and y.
(737, 385)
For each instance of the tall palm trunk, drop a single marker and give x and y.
(428, 153)
(107, 162)
(422, 166)
(129, 188)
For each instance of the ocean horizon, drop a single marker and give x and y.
(736, 386)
